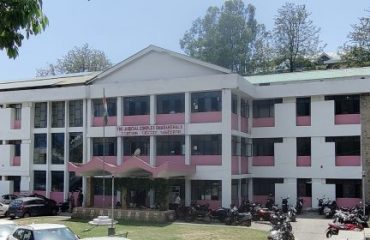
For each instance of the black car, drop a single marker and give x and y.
(31, 206)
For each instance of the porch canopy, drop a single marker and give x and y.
(132, 167)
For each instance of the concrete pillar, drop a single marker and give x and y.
(365, 142)
(187, 121)
(187, 192)
(226, 147)
(250, 189)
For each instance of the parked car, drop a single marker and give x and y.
(106, 238)
(7, 198)
(6, 228)
(30, 206)
(4, 209)
(43, 232)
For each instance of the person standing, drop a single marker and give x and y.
(177, 201)
(80, 198)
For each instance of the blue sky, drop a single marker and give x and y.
(121, 28)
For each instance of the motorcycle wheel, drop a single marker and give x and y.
(328, 233)
(248, 223)
(291, 236)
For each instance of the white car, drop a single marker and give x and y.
(4, 209)
(106, 238)
(43, 232)
(6, 228)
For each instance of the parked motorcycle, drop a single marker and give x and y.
(334, 229)
(262, 214)
(270, 202)
(320, 205)
(284, 204)
(292, 212)
(329, 208)
(198, 212)
(281, 231)
(236, 218)
(299, 205)
(219, 214)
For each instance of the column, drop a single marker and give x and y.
(187, 192)
(66, 152)
(250, 189)
(119, 123)
(152, 138)
(226, 147)
(187, 122)
(48, 155)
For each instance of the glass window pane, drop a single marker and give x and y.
(40, 116)
(58, 114)
(57, 181)
(57, 148)
(39, 180)
(39, 150)
(75, 113)
(75, 147)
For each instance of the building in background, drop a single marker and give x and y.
(217, 136)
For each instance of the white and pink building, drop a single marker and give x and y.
(217, 136)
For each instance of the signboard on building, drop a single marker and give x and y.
(151, 130)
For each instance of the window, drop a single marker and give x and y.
(58, 111)
(206, 102)
(99, 189)
(234, 104)
(244, 108)
(136, 105)
(75, 182)
(206, 145)
(264, 146)
(304, 187)
(265, 186)
(130, 144)
(346, 188)
(245, 148)
(57, 181)
(110, 148)
(75, 147)
(17, 147)
(265, 108)
(39, 150)
(16, 183)
(40, 120)
(171, 103)
(235, 146)
(303, 146)
(39, 180)
(346, 104)
(346, 146)
(75, 113)
(303, 106)
(98, 107)
(170, 145)
(206, 190)
(57, 148)
(18, 111)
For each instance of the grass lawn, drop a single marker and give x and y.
(173, 231)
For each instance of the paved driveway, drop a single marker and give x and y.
(311, 226)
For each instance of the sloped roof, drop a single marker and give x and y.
(309, 75)
(151, 48)
(69, 79)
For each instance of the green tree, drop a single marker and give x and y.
(356, 52)
(79, 59)
(225, 37)
(296, 38)
(19, 19)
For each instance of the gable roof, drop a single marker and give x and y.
(152, 48)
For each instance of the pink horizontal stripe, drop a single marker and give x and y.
(16, 161)
(213, 204)
(347, 119)
(174, 159)
(264, 122)
(263, 161)
(235, 165)
(144, 158)
(348, 161)
(136, 120)
(203, 117)
(206, 160)
(303, 161)
(107, 159)
(303, 120)
(348, 202)
(99, 121)
(262, 199)
(244, 124)
(234, 121)
(244, 165)
(170, 118)
(17, 124)
(57, 196)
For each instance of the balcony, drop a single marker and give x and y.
(16, 161)
(303, 121)
(347, 161)
(136, 120)
(180, 159)
(263, 161)
(244, 165)
(205, 117)
(303, 161)
(264, 122)
(347, 119)
(244, 124)
(170, 118)
(235, 165)
(206, 160)
(234, 121)
(99, 121)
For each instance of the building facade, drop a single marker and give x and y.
(217, 136)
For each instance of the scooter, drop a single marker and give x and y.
(299, 205)
(292, 212)
(329, 208)
(320, 205)
(284, 204)
(334, 229)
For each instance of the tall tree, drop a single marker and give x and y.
(79, 59)
(225, 36)
(19, 19)
(356, 52)
(296, 38)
